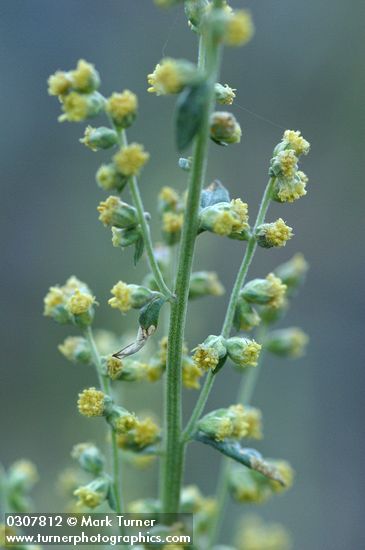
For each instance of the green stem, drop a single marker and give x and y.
(138, 204)
(245, 394)
(172, 465)
(228, 321)
(105, 386)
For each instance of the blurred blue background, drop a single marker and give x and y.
(303, 70)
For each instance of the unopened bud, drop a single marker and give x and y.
(205, 283)
(89, 457)
(224, 128)
(99, 138)
(289, 342)
(243, 351)
(115, 212)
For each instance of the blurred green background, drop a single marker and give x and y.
(303, 70)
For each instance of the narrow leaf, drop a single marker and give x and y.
(138, 251)
(250, 458)
(189, 113)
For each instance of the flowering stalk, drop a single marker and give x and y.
(228, 321)
(105, 386)
(172, 466)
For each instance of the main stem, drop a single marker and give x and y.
(172, 465)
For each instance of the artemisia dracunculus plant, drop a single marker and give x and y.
(253, 307)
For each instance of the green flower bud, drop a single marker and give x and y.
(78, 107)
(270, 315)
(289, 342)
(95, 493)
(89, 458)
(76, 349)
(108, 178)
(269, 291)
(242, 351)
(245, 317)
(125, 237)
(205, 283)
(224, 128)
(292, 273)
(99, 138)
(115, 212)
(226, 219)
(195, 10)
(224, 94)
(121, 420)
(223, 424)
(22, 476)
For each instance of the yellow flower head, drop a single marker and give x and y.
(237, 414)
(224, 223)
(59, 83)
(53, 298)
(75, 107)
(130, 159)
(125, 423)
(169, 196)
(286, 472)
(91, 402)
(172, 222)
(146, 432)
(206, 358)
(106, 176)
(277, 290)
(224, 94)
(107, 209)
(288, 163)
(254, 419)
(296, 142)
(70, 345)
(257, 535)
(122, 107)
(114, 367)
(277, 233)
(191, 375)
(26, 470)
(88, 497)
(80, 302)
(241, 209)
(153, 372)
(163, 343)
(122, 297)
(167, 78)
(239, 28)
(293, 190)
(84, 77)
(251, 353)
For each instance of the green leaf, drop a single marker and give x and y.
(149, 314)
(138, 251)
(213, 194)
(250, 458)
(189, 113)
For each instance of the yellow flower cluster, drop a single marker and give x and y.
(91, 402)
(145, 432)
(231, 220)
(254, 420)
(167, 78)
(296, 142)
(239, 28)
(84, 76)
(288, 163)
(206, 358)
(277, 233)
(172, 222)
(130, 159)
(80, 302)
(257, 535)
(251, 353)
(277, 291)
(169, 196)
(122, 105)
(122, 297)
(125, 423)
(114, 367)
(191, 374)
(89, 498)
(290, 192)
(286, 473)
